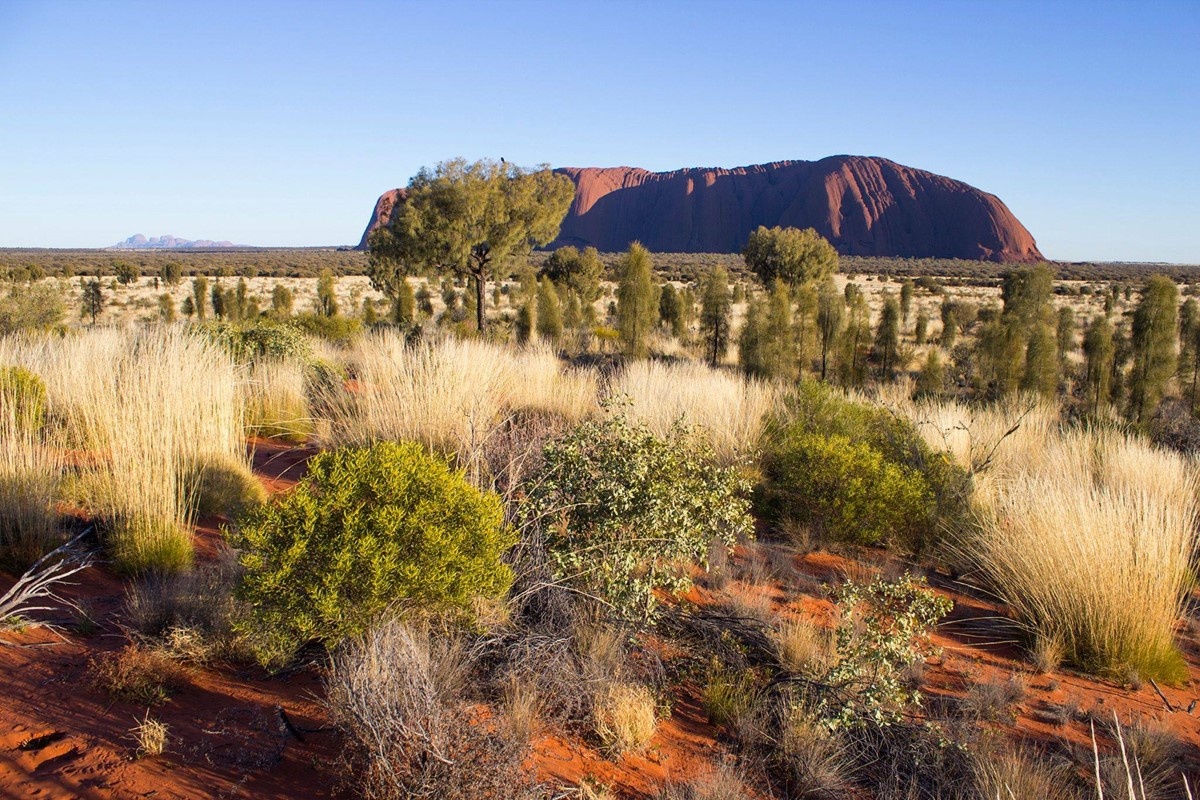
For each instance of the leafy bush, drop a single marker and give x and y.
(258, 340)
(884, 629)
(630, 512)
(367, 527)
(339, 330)
(887, 454)
(23, 394)
(845, 490)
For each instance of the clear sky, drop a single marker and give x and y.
(280, 123)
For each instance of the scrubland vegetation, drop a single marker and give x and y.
(561, 525)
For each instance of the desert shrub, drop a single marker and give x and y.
(258, 340)
(624, 716)
(366, 528)
(36, 307)
(337, 329)
(23, 395)
(136, 674)
(880, 453)
(397, 693)
(627, 511)
(883, 630)
(845, 490)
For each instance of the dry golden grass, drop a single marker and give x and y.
(151, 737)
(451, 396)
(727, 407)
(802, 646)
(30, 473)
(276, 401)
(145, 409)
(1088, 536)
(625, 719)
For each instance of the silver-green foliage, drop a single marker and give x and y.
(628, 512)
(884, 630)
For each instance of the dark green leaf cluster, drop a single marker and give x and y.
(367, 527)
(855, 472)
(261, 339)
(629, 512)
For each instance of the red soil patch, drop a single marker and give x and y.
(61, 737)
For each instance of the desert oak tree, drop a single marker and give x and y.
(467, 218)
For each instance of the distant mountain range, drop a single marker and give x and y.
(865, 206)
(168, 242)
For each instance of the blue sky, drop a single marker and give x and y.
(280, 123)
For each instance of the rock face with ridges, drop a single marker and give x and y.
(864, 206)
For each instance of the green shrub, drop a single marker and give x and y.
(259, 339)
(926, 492)
(884, 630)
(338, 329)
(366, 528)
(24, 393)
(845, 490)
(630, 512)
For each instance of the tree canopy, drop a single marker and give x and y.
(466, 218)
(791, 255)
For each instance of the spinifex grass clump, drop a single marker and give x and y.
(1092, 557)
(450, 396)
(726, 408)
(23, 394)
(140, 409)
(276, 402)
(30, 474)
(1088, 536)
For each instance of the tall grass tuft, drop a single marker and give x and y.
(451, 396)
(148, 413)
(729, 408)
(30, 474)
(276, 400)
(1088, 536)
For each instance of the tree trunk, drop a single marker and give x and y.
(479, 294)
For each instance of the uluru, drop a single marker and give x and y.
(865, 206)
